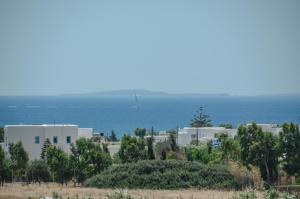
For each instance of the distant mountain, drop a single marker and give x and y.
(285, 95)
(125, 92)
(141, 92)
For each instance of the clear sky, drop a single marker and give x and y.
(232, 46)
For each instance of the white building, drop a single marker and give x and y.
(34, 136)
(273, 128)
(188, 134)
(161, 137)
(85, 132)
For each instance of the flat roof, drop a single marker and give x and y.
(40, 125)
(213, 127)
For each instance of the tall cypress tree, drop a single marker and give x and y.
(46, 144)
(150, 150)
(200, 119)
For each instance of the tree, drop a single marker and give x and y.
(105, 148)
(200, 119)
(113, 136)
(265, 155)
(229, 147)
(209, 146)
(19, 159)
(162, 148)
(4, 167)
(88, 158)
(46, 144)
(132, 149)
(150, 150)
(201, 154)
(59, 164)
(38, 171)
(140, 132)
(100, 160)
(289, 139)
(173, 143)
(163, 155)
(80, 159)
(1, 134)
(260, 149)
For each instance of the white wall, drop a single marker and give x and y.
(85, 132)
(158, 138)
(187, 134)
(273, 128)
(26, 134)
(61, 132)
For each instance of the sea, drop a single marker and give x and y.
(123, 114)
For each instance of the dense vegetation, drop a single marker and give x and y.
(1, 134)
(86, 159)
(140, 163)
(159, 174)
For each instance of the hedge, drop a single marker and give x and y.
(163, 174)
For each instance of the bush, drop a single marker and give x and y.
(38, 171)
(159, 174)
(245, 177)
(202, 154)
(268, 194)
(274, 194)
(132, 149)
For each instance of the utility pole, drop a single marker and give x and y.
(152, 133)
(197, 137)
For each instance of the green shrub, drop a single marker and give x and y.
(268, 194)
(38, 171)
(202, 154)
(274, 194)
(297, 181)
(159, 174)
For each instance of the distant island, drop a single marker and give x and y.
(142, 92)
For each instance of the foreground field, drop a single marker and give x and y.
(18, 191)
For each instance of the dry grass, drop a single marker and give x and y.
(19, 191)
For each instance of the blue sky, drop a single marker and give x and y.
(238, 47)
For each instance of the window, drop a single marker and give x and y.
(37, 139)
(55, 140)
(68, 139)
(193, 136)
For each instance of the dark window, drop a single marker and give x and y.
(37, 139)
(55, 140)
(68, 139)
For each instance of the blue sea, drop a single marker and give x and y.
(122, 115)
